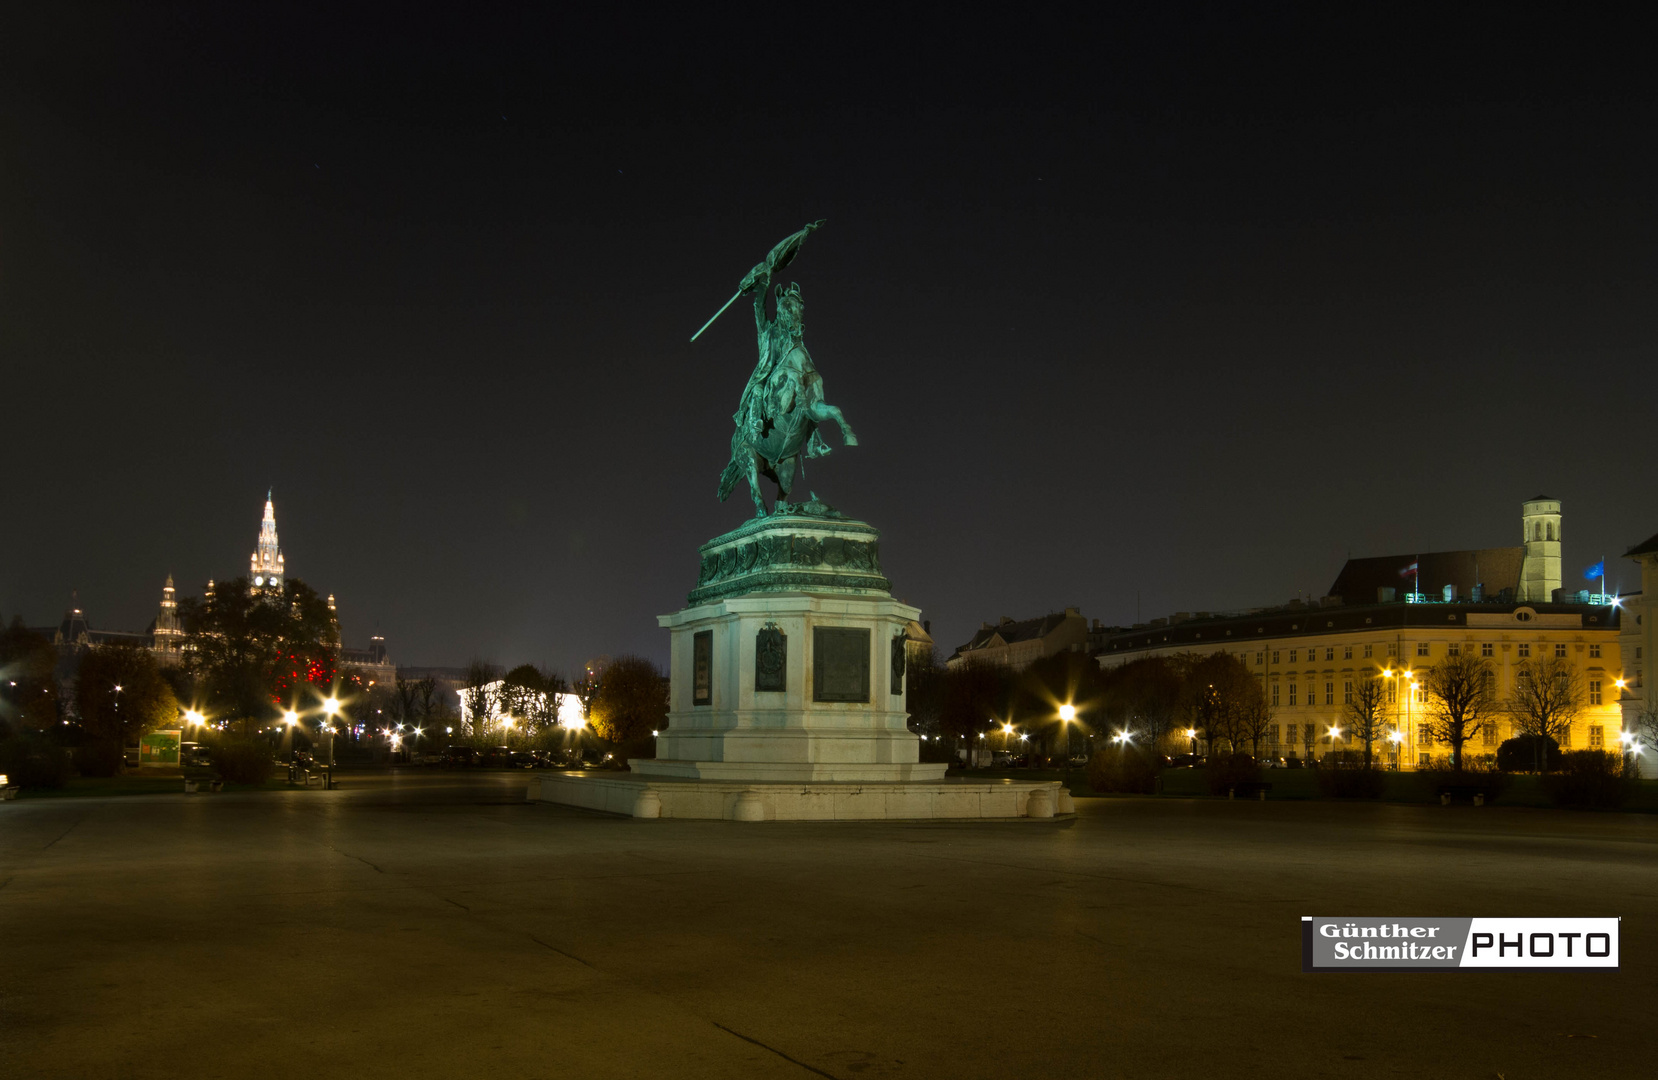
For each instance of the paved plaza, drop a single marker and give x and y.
(418, 924)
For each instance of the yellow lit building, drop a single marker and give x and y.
(1309, 656)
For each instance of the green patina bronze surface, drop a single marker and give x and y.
(792, 551)
(782, 405)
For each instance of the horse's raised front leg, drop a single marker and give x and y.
(822, 411)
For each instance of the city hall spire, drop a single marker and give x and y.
(266, 568)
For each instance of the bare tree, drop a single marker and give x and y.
(1254, 721)
(1144, 697)
(1222, 698)
(1646, 732)
(1548, 695)
(1366, 711)
(481, 696)
(1459, 701)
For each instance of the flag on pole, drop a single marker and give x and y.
(1595, 571)
(1407, 571)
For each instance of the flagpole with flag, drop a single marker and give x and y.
(1598, 571)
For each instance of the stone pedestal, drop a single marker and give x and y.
(788, 664)
(787, 696)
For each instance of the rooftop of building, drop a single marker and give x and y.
(1007, 631)
(1645, 547)
(1365, 581)
(1332, 617)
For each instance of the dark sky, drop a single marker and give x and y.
(1172, 308)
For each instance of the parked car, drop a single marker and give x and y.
(1186, 761)
(520, 759)
(455, 757)
(497, 757)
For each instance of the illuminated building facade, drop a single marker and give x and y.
(1019, 643)
(1637, 640)
(1310, 656)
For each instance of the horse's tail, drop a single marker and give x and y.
(733, 469)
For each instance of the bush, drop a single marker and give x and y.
(1355, 782)
(1494, 781)
(244, 762)
(1122, 769)
(1228, 772)
(1521, 754)
(1294, 763)
(103, 757)
(1589, 779)
(32, 761)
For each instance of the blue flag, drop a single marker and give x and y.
(1595, 571)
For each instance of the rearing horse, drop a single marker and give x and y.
(782, 404)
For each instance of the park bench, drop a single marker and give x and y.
(1475, 792)
(1257, 788)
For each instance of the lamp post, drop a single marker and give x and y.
(331, 708)
(1067, 713)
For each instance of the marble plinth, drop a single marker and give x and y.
(788, 664)
(668, 797)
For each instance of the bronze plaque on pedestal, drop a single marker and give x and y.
(840, 664)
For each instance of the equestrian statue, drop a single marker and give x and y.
(782, 405)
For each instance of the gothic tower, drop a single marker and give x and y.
(266, 569)
(169, 636)
(1540, 573)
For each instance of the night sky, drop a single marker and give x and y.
(1172, 310)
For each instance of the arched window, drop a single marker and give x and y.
(1551, 530)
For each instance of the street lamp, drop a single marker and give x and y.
(1191, 733)
(331, 706)
(1067, 713)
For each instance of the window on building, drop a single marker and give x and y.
(1424, 735)
(1421, 648)
(1329, 693)
(1594, 652)
(1275, 695)
(1272, 735)
(1391, 646)
(1565, 737)
(1259, 657)
(1524, 650)
(1488, 733)
(1421, 693)
(1292, 656)
(1487, 649)
(1453, 649)
(1347, 692)
(1289, 733)
(1329, 652)
(1594, 692)
(1393, 691)
(1347, 652)
(1637, 652)
(1275, 656)
(1560, 650)
(1367, 652)
(1292, 693)
(1597, 737)
(1423, 761)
